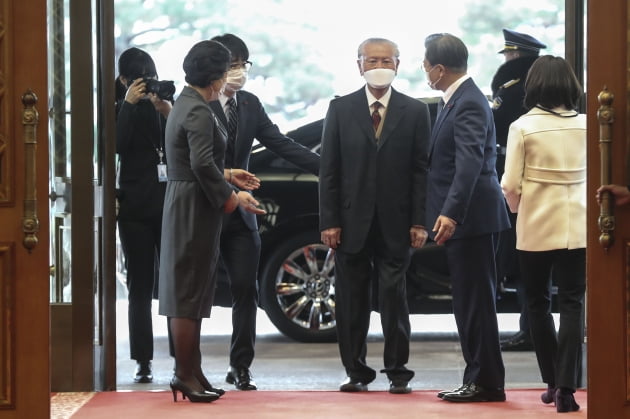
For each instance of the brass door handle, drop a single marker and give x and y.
(606, 117)
(30, 119)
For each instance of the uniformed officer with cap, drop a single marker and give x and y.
(508, 91)
(508, 84)
(516, 41)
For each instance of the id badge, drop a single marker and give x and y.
(161, 169)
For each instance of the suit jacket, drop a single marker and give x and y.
(193, 207)
(253, 122)
(545, 180)
(360, 179)
(462, 179)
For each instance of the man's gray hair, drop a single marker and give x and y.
(361, 49)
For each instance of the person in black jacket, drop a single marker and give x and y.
(508, 91)
(141, 119)
(240, 241)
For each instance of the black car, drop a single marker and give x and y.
(297, 275)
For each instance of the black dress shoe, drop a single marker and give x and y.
(241, 378)
(548, 396)
(399, 387)
(352, 385)
(565, 401)
(475, 393)
(143, 372)
(443, 392)
(521, 341)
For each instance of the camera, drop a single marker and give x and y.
(164, 89)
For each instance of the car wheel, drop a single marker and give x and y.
(298, 289)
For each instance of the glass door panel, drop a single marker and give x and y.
(60, 174)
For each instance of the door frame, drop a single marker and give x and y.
(608, 270)
(83, 331)
(24, 268)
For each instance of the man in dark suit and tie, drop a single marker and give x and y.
(465, 211)
(371, 191)
(240, 241)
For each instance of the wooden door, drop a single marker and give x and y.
(608, 271)
(24, 268)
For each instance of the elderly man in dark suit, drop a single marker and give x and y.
(465, 211)
(371, 191)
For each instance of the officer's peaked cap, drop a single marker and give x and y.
(516, 41)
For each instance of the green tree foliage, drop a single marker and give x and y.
(147, 23)
(290, 71)
(484, 20)
(485, 17)
(296, 51)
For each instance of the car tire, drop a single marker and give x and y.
(298, 289)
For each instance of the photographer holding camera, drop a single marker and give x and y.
(141, 119)
(164, 89)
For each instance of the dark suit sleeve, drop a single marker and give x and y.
(420, 164)
(329, 173)
(269, 135)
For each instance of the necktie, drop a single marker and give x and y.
(376, 116)
(440, 106)
(231, 129)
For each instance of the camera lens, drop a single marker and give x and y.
(164, 89)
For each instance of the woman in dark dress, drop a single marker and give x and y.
(197, 194)
(140, 123)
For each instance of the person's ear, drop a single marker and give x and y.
(360, 66)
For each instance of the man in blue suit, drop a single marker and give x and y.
(371, 198)
(465, 211)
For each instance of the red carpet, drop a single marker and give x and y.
(312, 404)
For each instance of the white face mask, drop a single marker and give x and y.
(236, 79)
(379, 78)
(432, 84)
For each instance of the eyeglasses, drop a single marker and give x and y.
(245, 65)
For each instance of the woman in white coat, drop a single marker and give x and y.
(545, 182)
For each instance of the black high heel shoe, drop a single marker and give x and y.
(206, 384)
(193, 396)
(209, 388)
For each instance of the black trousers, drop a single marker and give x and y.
(559, 354)
(473, 276)
(507, 260)
(140, 241)
(353, 285)
(240, 252)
